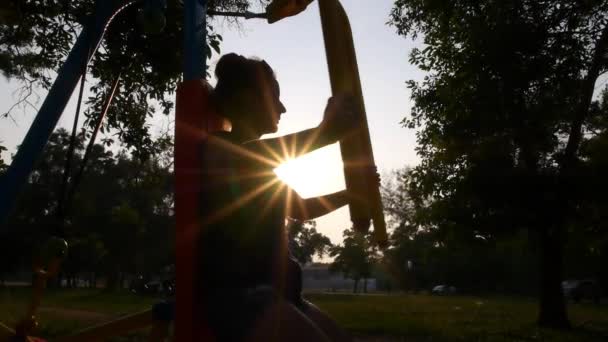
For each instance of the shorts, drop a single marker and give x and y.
(232, 312)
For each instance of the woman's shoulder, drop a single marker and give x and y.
(222, 146)
(216, 149)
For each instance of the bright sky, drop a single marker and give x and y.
(294, 48)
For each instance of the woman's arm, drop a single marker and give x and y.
(311, 208)
(291, 145)
(339, 119)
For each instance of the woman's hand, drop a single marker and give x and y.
(340, 118)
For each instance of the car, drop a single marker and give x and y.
(578, 290)
(153, 287)
(443, 290)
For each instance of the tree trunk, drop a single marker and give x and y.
(57, 282)
(356, 285)
(364, 285)
(552, 311)
(112, 280)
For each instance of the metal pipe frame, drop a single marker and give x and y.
(13, 181)
(195, 39)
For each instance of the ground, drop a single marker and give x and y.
(368, 317)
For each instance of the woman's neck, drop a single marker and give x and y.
(241, 132)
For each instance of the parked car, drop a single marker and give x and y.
(153, 287)
(443, 290)
(578, 290)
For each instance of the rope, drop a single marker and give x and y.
(87, 153)
(61, 210)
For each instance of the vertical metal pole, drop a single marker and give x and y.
(195, 35)
(190, 113)
(30, 150)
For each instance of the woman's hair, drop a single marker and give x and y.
(237, 74)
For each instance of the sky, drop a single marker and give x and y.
(294, 48)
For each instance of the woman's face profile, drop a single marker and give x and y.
(269, 108)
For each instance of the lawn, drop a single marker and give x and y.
(369, 317)
(432, 318)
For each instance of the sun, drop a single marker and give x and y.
(296, 173)
(317, 173)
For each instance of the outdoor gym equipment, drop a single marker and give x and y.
(193, 124)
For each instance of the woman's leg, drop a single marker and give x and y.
(281, 321)
(324, 322)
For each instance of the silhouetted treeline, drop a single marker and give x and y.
(118, 223)
(421, 257)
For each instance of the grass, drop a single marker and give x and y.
(385, 318)
(431, 318)
(66, 311)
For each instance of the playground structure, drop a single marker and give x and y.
(193, 123)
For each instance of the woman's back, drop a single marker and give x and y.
(243, 215)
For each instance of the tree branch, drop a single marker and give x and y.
(582, 110)
(24, 93)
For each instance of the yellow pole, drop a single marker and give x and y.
(280, 9)
(356, 149)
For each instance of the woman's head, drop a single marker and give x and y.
(248, 94)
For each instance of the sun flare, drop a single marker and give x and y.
(314, 174)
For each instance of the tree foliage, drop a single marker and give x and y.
(501, 118)
(38, 38)
(119, 222)
(305, 242)
(355, 257)
(2, 163)
(420, 257)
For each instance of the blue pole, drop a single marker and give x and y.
(195, 39)
(12, 182)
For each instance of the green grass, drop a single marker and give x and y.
(393, 318)
(431, 318)
(67, 311)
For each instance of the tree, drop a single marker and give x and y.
(354, 258)
(305, 241)
(3, 165)
(587, 243)
(501, 117)
(421, 256)
(119, 220)
(36, 40)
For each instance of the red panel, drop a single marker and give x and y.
(193, 120)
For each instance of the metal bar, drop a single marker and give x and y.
(114, 328)
(6, 333)
(356, 149)
(41, 129)
(190, 105)
(195, 39)
(67, 168)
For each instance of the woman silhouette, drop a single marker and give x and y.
(251, 286)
